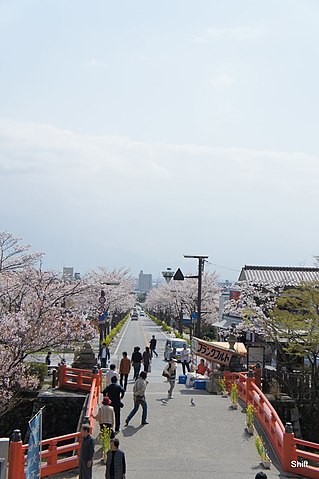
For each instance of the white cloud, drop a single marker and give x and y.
(241, 33)
(222, 79)
(95, 63)
(103, 187)
(31, 148)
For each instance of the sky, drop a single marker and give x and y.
(132, 133)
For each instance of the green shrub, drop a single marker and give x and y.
(234, 393)
(261, 448)
(40, 370)
(165, 326)
(114, 331)
(105, 440)
(250, 415)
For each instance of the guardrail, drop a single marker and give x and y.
(59, 453)
(293, 459)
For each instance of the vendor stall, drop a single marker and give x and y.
(219, 357)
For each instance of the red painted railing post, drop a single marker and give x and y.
(96, 375)
(53, 457)
(249, 382)
(16, 459)
(227, 379)
(289, 452)
(100, 381)
(258, 376)
(79, 379)
(62, 374)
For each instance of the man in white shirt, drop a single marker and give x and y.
(104, 355)
(185, 359)
(110, 374)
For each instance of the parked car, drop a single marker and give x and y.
(142, 313)
(174, 343)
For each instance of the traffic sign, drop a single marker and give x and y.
(102, 299)
(178, 276)
(101, 308)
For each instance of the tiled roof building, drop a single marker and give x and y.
(279, 274)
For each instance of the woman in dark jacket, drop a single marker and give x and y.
(136, 361)
(146, 358)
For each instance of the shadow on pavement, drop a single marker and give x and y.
(129, 431)
(98, 453)
(194, 392)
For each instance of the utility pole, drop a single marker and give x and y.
(201, 261)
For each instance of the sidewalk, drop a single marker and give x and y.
(181, 441)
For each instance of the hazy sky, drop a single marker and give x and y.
(133, 132)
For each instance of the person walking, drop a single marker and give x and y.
(153, 343)
(86, 453)
(115, 461)
(105, 415)
(48, 359)
(104, 355)
(109, 374)
(185, 359)
(147, 359)
(139, 399)
(125, 366)
(136, 361)
(115, 392)
(170, 373)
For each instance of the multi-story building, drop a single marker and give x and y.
(144, 282)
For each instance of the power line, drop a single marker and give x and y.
(223, 267)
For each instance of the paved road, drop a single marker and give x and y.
(181, 441)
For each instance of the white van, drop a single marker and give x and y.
(175, 343)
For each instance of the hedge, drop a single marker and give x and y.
(114, 331)
(165, 326)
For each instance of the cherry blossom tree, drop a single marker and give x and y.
(182, 295)
(13, 255)
(118, 286)
(33, 318)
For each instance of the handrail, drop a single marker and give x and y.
(283, 441)
(53, 462)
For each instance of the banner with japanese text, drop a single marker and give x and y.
(33, 458)
(211, 352)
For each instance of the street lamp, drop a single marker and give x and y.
(201, 261)
(168, 275)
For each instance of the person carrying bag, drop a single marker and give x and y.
(170, 373)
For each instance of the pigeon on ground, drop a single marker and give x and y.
(192, 402)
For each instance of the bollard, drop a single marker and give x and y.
(54, 378)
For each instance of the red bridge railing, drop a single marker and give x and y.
(285, 444)
(59, 453)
